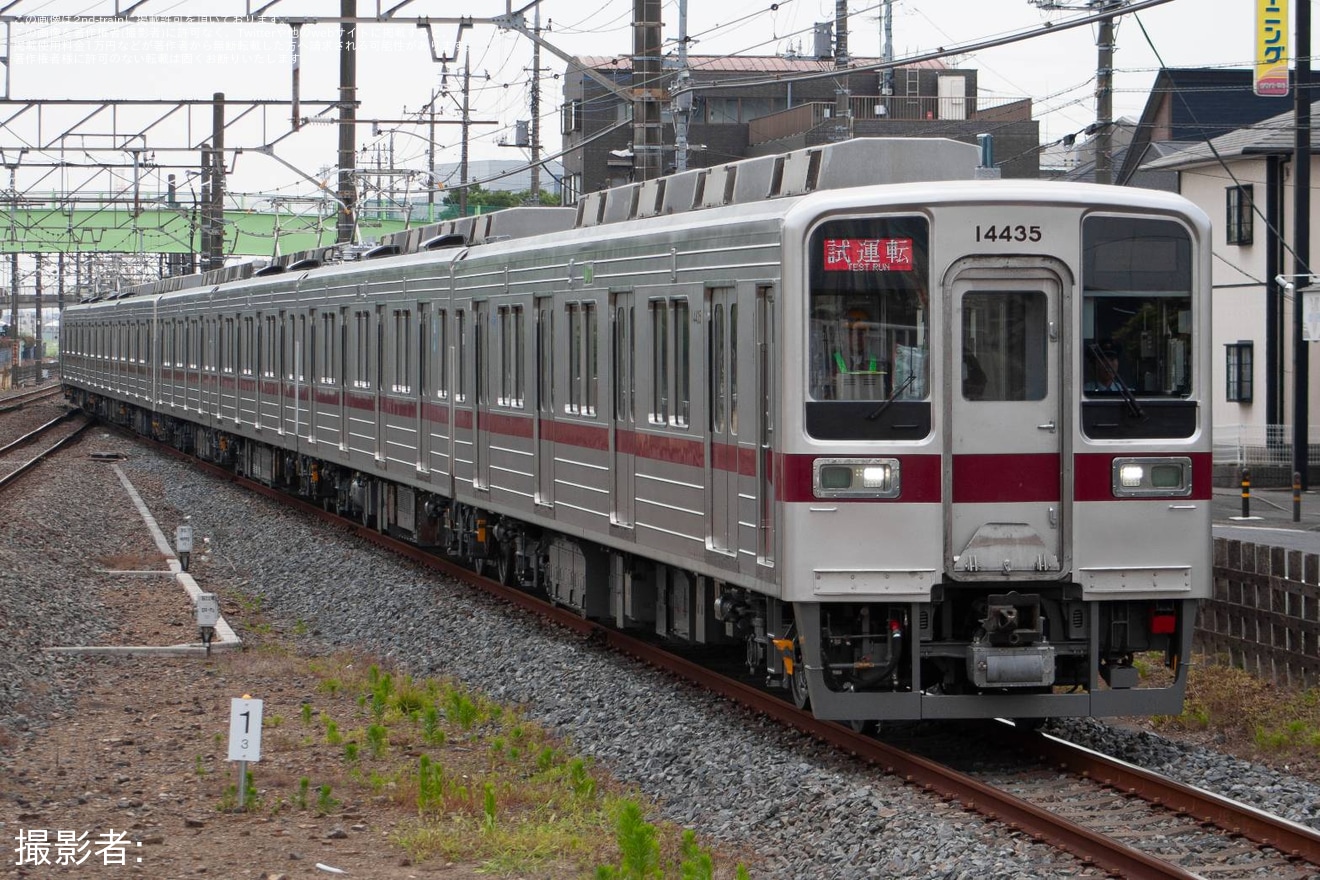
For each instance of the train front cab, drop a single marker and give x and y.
(1006, 498)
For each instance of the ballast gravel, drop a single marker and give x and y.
(804, 811)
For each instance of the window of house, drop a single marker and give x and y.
(572, 117)
(1237, 222)
(1238, 363)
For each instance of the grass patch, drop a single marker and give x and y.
(1248, 715)
(485, 786)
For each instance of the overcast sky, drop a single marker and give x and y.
(69, 57)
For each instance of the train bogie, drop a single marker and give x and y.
(916, 450)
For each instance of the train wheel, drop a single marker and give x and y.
(797, 683)
(866, 727)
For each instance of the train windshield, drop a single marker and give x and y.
(1136, 308)
(868, 310)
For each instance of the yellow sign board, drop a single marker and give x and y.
(1272, 48)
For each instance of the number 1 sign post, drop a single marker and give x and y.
(244, 738)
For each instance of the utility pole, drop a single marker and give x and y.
(1104, 80)
(40, 344)
(463, 151)
(215, 246)
(1302, 241)
(536, 107)
(1104, 101)
(646, 90)
(842, 93)
(347, 121)
(887, 52)
(680, 106)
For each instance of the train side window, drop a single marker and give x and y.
(519, 355)
(682, 363)
(460, 334)
(362, 347)
(574, 402)
(329, 345)
(659, 362)
(440, 352)
(591, 368)
(718, 376)
(402, 379)
(733, 368)
(545, 385)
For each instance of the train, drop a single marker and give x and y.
(908, 443)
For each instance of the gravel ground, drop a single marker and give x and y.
(803, 810)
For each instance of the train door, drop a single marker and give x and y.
(721, 428)
(543, 422)
(481, 438)
(623, 426)
(1005, 426)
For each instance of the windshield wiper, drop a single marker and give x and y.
(1129, 399)
(893, 395)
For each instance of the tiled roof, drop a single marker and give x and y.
(1273, 135)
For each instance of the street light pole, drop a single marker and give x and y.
(1301, 240)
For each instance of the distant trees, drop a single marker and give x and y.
(496, 198)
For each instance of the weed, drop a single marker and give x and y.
(199, 766)
(431, 732)
(409, 699)
(300, 627)
(696, 863)
(332, 735)
(584, 786)
(325, 804)
(376, 740)
(306, 714)
(488, 807)
(272, 721)
(331, 686)
(639, 851)
(461, 710)
(304, 785)
(351, 750)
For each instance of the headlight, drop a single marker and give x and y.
(855, 478)
(1162, 477)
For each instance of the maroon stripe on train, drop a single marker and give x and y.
(1093, 476)
(920, 480)
(988, 479)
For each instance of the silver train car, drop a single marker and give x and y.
(918, 445)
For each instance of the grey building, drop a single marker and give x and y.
(758, 105)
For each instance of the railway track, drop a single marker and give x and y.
(23, 454)
(1124, 820)
(13, 402)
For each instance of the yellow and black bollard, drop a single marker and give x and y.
(1297, 496)
(1246, 493)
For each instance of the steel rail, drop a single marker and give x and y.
(22, 399)
(28, 465)
(999, 806)
(1291, 838)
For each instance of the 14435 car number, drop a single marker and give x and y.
(1008, 232)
